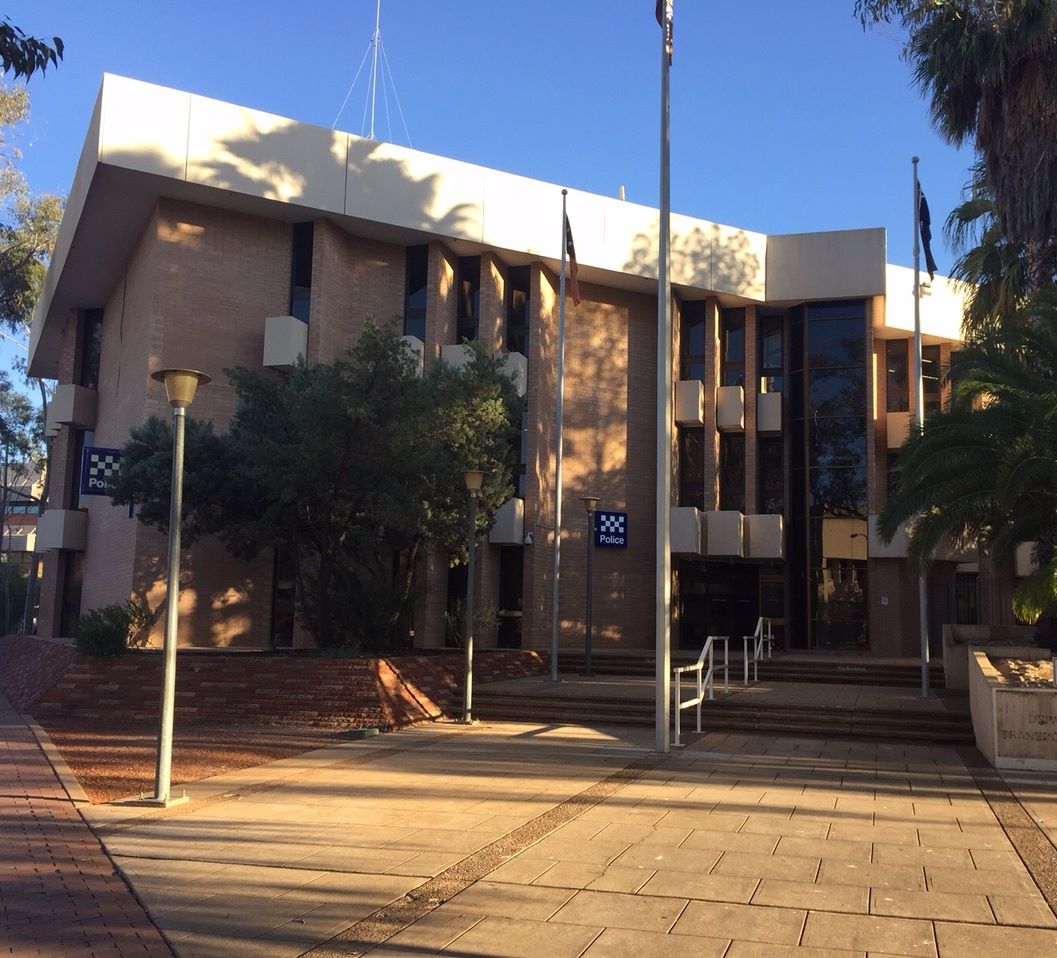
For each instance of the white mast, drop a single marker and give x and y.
(376, 41)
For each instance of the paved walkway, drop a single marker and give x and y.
(59, 893)
(518, 840)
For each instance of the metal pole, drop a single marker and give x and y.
(664, 422)
(467, 691)
(163, 770)
(376, 40)
(560, 412)
(919, 416)
(587, 617)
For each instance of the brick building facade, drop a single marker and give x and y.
(196, 231)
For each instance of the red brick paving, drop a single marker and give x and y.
(59, 894)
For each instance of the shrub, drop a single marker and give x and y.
(113, 628)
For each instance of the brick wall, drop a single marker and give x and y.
(55, 682)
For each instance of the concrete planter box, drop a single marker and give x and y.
(1015, 726)
(960, 641)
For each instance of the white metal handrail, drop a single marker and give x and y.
(762, 637)
(704, 680)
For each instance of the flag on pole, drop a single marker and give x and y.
(925, 219)
(664, 18)
(570, 251)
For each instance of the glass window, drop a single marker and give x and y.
(837, 441)
(772, 353)
(898, 379)
(837, 392)
(892, 473)
(692, 467)
(91, 348)
(732, 365)
(732, 472)
(301, 272)
(837, 492)
(517, 309)
(468, 311)
(692, 340)
(772, 475)
(931, 377)
(415, 286)
(836, 334)
(81, 439)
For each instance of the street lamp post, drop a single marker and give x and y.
(473, 478)
(590, 504)
(180, 386)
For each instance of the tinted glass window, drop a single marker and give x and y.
(91, 348)
(469, 305)
(837, 492)
(416, 284)
(517, 309)
(692, 339)
(898, 378)
(772, 478)
(931, 376)
(771, 351)
(732, 472)
(692, 467)
(840, 441)
(732, 367)
(836, 342)
(301, 271)
(837, 392)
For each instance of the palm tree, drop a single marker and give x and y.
(985, 468)
(990, 267)
(989, 69)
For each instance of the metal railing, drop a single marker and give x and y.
(761, 638)
(705, 680)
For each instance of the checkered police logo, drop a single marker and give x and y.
(611, 529)
(99, 470)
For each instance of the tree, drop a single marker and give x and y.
(19, 462)
(23, 55)
(989, 69)
(353, 467)
(985, 468)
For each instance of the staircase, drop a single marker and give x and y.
(581, 704)
(934, 727)
(828, 671)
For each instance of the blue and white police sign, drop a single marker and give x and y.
(611, 529)
(99, 469)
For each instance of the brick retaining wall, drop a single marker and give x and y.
(57, 683)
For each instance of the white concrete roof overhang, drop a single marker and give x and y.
(146, 142)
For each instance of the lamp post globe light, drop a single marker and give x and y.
(590, 504)
(474, 479)
(180, 387)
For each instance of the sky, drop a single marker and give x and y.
(786, 116)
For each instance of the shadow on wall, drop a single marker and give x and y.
(718, 260)
(319, 169)
(216, 611)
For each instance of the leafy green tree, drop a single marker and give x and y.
(353, 467)
(989, 69)
(985, 469)
(24, 55)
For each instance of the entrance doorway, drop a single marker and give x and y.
(717, 599)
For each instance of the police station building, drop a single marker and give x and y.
(203, 235)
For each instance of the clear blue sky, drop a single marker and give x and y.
(786, 116)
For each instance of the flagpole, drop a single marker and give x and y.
(559, 416)
(919, 417)
(664, 411)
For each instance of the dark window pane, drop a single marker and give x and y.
(796, 339)
(837, 442)
(771, 353)
(898, 379)
(517, 309)
(694, 371)
(892, 474)
(468, 309)
(931, 376)
(301, 271)
(416, 284)
(91, 348)
(837, 492)
(837, 392)
(732, 367)
(836, 342)
(692, 339)
(692, 467)
(732, 472)
(772, 476)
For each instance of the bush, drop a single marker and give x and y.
(112, 629)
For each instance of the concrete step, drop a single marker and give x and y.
(933, 727)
